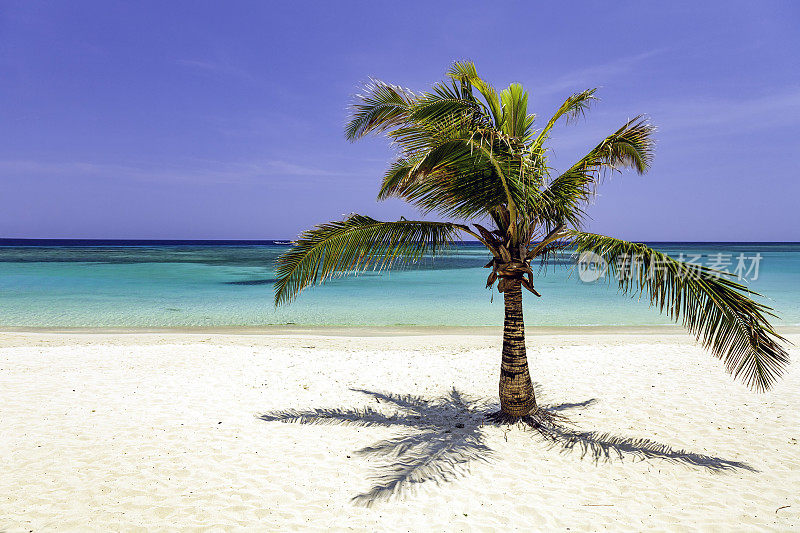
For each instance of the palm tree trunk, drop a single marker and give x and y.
(516, 389)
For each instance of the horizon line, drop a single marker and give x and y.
(17, 241)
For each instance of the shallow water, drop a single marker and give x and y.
(168, 285)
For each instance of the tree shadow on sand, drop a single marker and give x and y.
(442, 436)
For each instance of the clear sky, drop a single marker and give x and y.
(217, 120)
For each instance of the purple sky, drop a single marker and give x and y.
(224, 120)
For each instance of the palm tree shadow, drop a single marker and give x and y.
(441, 436)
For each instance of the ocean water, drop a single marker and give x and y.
(221, 285)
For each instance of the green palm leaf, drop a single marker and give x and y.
(573, 107)
(716, 309)
(448, 102)
(459, 176)
(517, 122)
(380, 107)
(563, 200)
(353, 245)
(467, 74)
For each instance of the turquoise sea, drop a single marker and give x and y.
(95, 284)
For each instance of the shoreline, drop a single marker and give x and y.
(369, 331)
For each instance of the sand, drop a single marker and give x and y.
(166, 431)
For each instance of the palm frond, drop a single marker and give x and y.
(563, 200)
(456, 170)
(379, 107)
(573, 107)
(446, 103)
(353, 245)
(517, 122)
(717, 310)
(398, 175)
(465, 72)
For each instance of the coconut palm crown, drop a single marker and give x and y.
(470, 153)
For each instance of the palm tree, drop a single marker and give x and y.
(472, 154)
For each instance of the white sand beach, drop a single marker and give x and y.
(143, 432)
